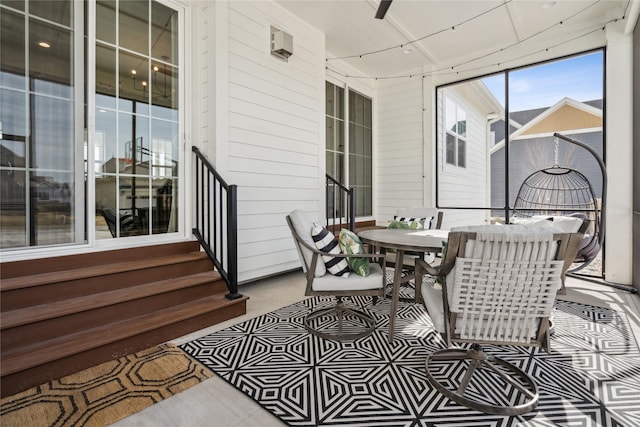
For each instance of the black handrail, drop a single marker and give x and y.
(216, 222)
(340, 204)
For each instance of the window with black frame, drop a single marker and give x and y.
(494, 131)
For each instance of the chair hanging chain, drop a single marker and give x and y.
(556, 141)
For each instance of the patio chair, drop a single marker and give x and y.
(427, 218)
(338, 322)
(498, 286)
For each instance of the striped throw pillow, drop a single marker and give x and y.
(327, 242)
(417, 223)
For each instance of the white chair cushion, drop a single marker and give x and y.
(303, 223)
(564, 224)
(432, 298)
(354, 282)
(567, 224)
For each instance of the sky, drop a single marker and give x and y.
(579, 78)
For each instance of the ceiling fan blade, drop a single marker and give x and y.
(382, 8)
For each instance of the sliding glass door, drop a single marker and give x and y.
(42, 189)
(89, 120)
(136, 159)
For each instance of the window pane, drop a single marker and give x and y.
(340, 146)
(58, 11)
(134, 25)
(133, 146)
(133, 197)
(352, 107)
(330, 164)
(16, 4)
(14, 128)
(164, 33)
(106, 87)
(105, 145)
(339, 113)
(134, 83)
(462, 122)
(106, 21)
(164, 148)
(106, 207)
(163, 211)
(50, 68)
(367, 112)
(330, 101)
(52, 136)
(339, 168)
(451, 149)
(12, 64)
(330, 133)
(462, 153)
(52, 210)
(573, 107)
(13, 225)
(450, 116)
(164, 91)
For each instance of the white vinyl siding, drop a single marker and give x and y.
(272, 129)
(458, 186)
(398, 168)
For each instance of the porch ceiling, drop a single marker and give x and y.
(464, 34)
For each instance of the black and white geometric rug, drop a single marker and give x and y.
(590, 378)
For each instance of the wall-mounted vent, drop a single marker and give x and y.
(281, 44)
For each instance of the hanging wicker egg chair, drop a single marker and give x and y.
(562, 191)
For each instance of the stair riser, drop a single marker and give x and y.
(14, 383)
(36, 295)
(28, 334)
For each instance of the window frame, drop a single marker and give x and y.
(458, 138)
(447, 169)
(347, 89)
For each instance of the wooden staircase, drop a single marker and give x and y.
(64, 314)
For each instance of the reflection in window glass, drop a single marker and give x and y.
(360, 142)
(50, 68)
(359, 156)
(140, 151)
(105, 26)
(335, 131)
(39, 126)
(133, 19)
(12, 54)
(456, 132)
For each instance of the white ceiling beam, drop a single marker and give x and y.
(632, 16)
(404, 33)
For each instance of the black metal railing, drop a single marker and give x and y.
(216, 222)
(340, 205)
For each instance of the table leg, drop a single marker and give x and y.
(397, 281)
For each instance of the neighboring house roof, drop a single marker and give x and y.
(566, 115)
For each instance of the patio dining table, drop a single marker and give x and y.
(402, 240)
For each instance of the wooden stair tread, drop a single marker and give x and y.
(75, 261)
(21, 282)
(60, 347)
(23, 316)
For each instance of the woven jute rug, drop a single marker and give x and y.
(106, 393)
